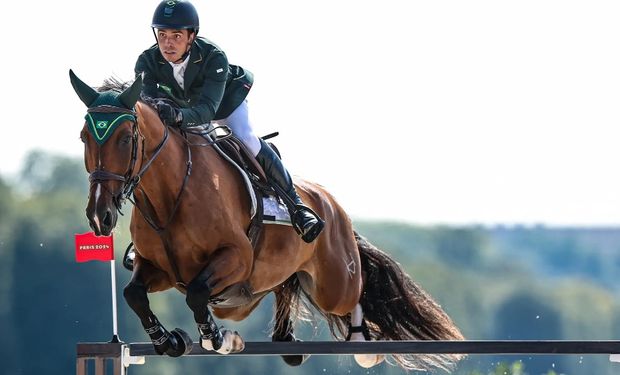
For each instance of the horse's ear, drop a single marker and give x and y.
(130, 96)
(86, 93)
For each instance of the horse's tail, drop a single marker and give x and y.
(396, 308)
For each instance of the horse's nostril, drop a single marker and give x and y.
(107, 220)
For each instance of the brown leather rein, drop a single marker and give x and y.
(131, 181)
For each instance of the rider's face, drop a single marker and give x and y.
(174, 43)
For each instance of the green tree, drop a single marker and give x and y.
(462, 247)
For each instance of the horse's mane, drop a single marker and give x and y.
(118, 85)
(114, 84)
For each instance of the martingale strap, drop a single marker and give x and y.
(149, 215)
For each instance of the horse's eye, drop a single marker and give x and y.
(126, 140)
(83, 137)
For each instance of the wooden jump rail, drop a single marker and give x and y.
(121, 355)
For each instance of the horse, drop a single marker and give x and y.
(189, 222)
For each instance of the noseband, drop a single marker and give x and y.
(129, 179)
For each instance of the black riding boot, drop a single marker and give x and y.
(305, 221)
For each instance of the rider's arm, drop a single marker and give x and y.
(149, 84)
(207, 90)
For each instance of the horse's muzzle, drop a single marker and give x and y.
(101, 211)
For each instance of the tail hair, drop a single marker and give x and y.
(396, 308)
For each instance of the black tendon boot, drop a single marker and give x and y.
(305, 221)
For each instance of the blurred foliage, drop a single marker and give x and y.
(496, 283)
(514, 368)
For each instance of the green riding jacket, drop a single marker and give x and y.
(213, 88)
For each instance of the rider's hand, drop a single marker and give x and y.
(169, 115)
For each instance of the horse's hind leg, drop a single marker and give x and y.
(283, 326)
(358, 331)
(173, 344)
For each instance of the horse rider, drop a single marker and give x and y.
(194, 73)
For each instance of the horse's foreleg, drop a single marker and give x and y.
(197, 298)
(173, 344)
(212, 279)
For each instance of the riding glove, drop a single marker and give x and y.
(170, 115)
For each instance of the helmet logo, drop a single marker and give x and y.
(170, 8)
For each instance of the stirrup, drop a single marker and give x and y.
(311, 233)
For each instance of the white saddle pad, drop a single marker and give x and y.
(275, 212)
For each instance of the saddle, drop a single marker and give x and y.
(243, 159)
(261, 192)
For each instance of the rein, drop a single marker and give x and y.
(162, 230)
(131, 181)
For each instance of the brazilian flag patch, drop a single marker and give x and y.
(101, 125)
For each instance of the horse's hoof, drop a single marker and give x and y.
(292, 360)
(181, 343)
(369, 360)
(295, 360)
(232, 342)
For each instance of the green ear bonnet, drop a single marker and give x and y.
(102, 124)
(107, 110)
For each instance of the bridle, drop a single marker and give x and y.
(129, 180)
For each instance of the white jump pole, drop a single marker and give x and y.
(115, 337)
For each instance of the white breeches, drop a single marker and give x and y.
(239, 123)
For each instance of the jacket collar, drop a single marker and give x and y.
(193, 67)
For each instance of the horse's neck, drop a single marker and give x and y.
(168, 166)
(212, 177)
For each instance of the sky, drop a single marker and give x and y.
(429, 112)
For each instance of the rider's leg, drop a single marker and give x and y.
(308, 224)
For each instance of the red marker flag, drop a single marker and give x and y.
(90, 247)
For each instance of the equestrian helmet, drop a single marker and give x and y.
(175, 14)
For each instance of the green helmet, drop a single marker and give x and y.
(175, 14)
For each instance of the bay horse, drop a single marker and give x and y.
(189, 226)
